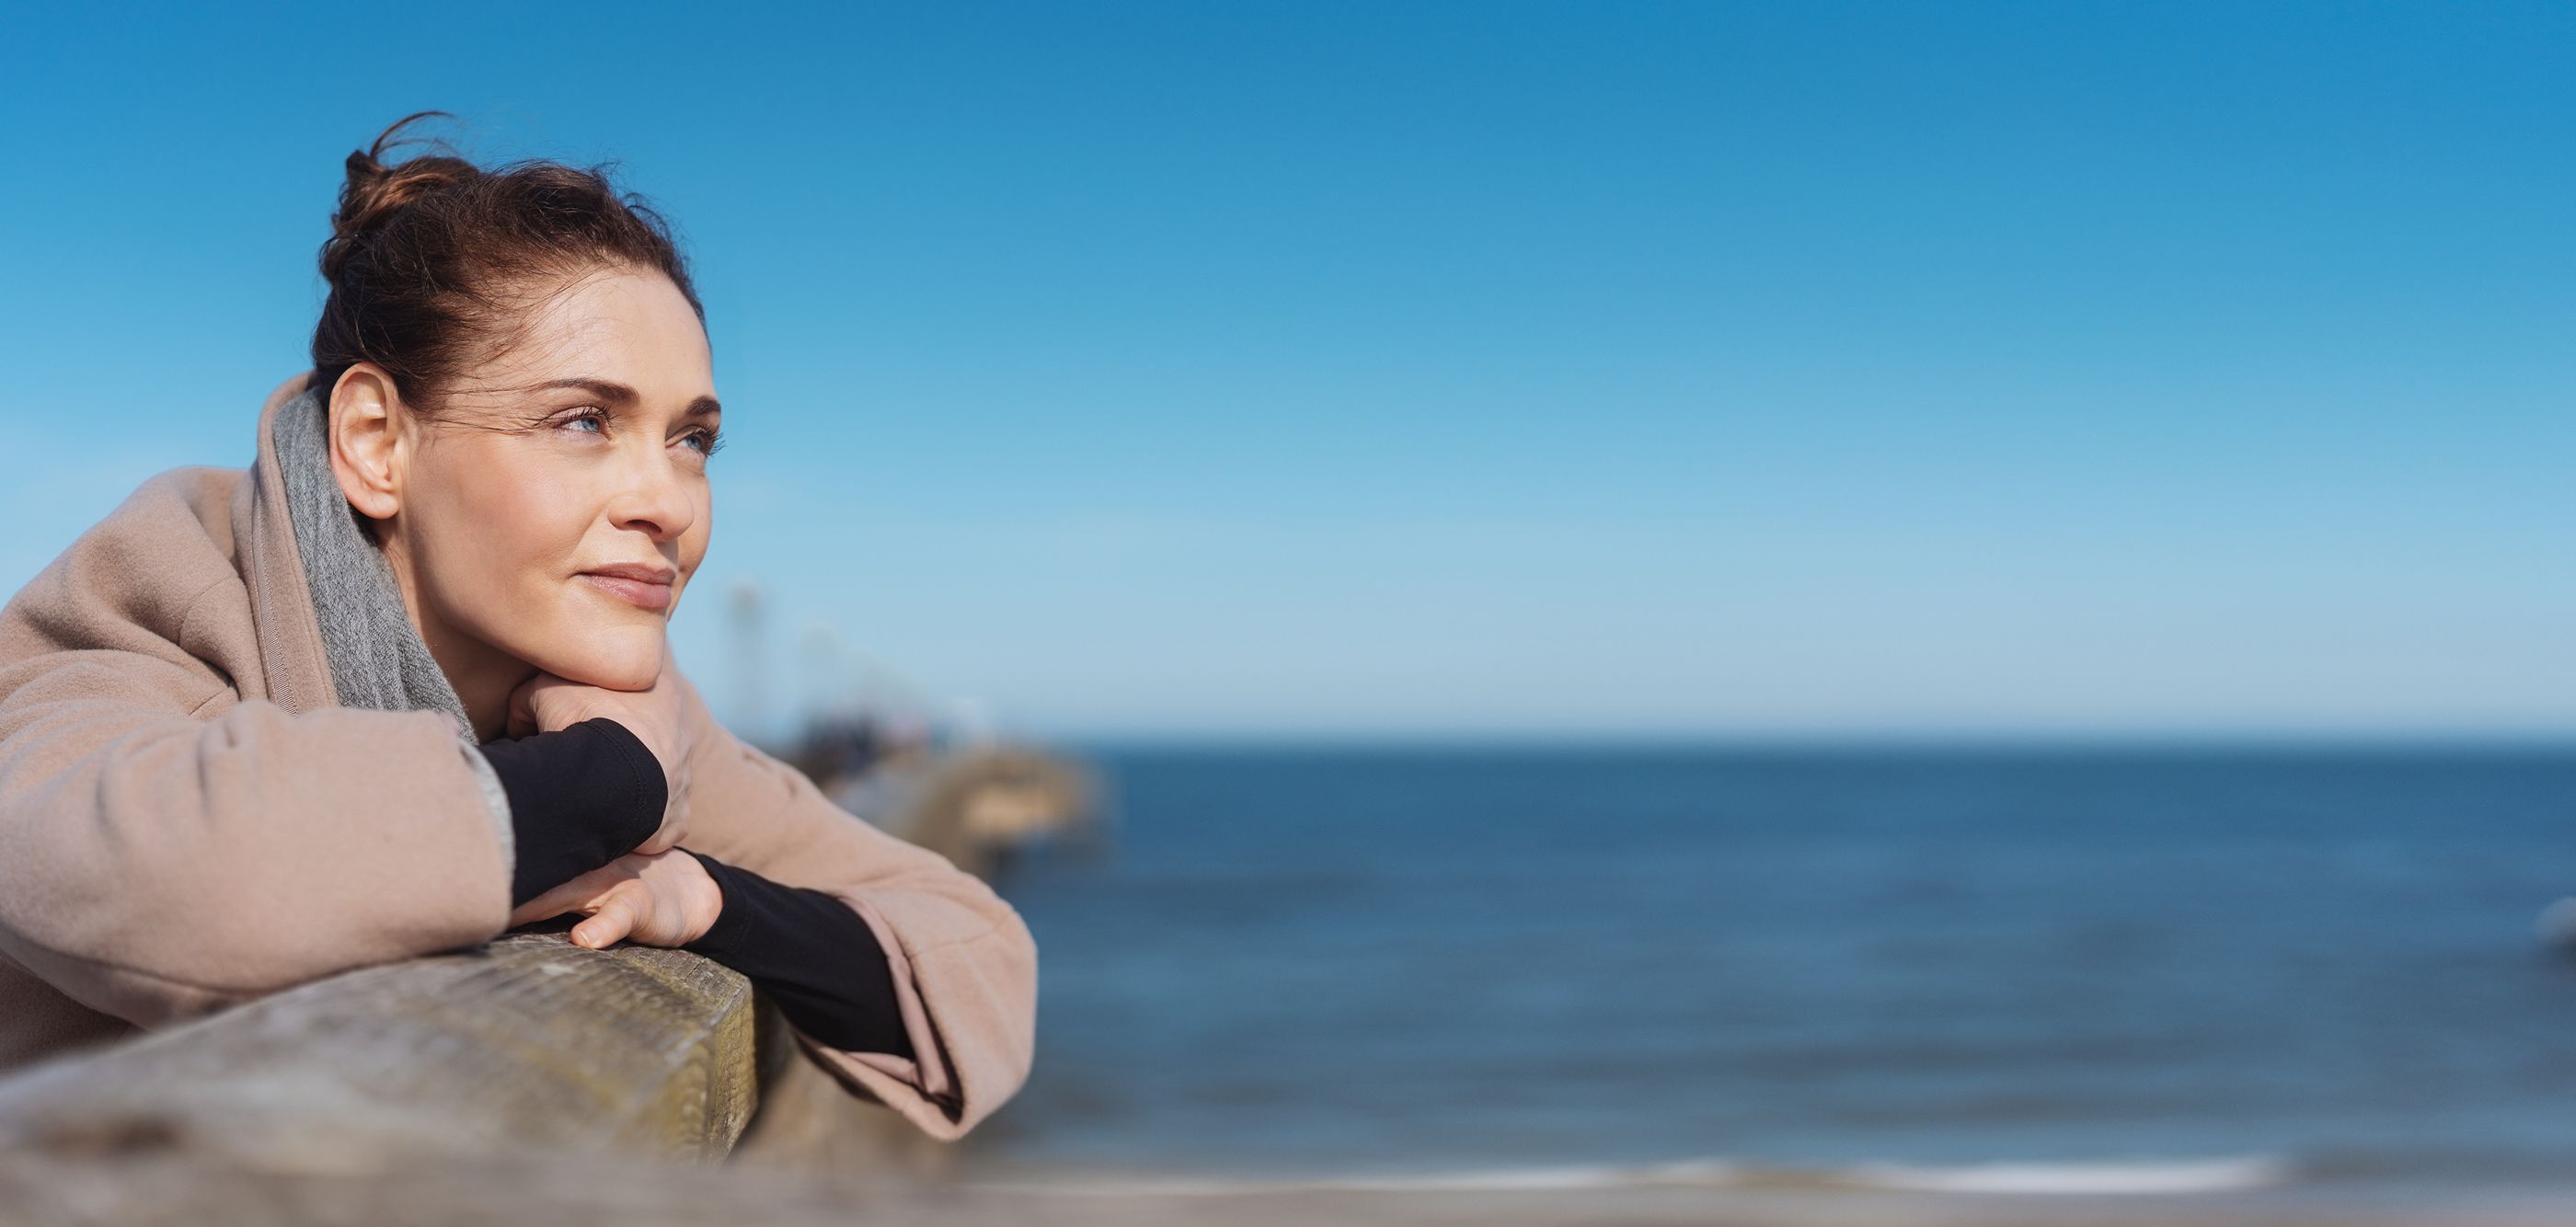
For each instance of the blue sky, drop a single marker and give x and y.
(1467, 369)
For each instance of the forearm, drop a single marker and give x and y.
(580, 797)
(962, 965)
(237, 854)
(811, 954)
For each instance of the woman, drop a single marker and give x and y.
(403, 683)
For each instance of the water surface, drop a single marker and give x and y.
(1340, 964)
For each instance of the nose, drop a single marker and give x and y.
(654, 497)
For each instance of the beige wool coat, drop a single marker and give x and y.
(189, 819)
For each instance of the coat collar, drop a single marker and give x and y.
(295, 665)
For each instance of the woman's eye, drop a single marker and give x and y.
(708, 441)
(593, 416)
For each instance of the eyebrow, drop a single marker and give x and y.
(619, 394)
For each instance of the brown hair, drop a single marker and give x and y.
(434, 263)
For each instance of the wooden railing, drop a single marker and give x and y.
(527, 1040)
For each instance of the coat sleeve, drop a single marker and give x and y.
(167, 848)
(964, 964)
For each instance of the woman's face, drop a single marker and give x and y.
(582, 446)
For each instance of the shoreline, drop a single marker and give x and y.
(1731, 1207)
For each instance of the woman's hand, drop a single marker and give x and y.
(546, 703)
(651, 899)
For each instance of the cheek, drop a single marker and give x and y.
(504, 531)
(693, 543)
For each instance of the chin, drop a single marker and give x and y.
(616, 660)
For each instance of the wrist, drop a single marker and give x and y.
(706, 904)
(579, 798)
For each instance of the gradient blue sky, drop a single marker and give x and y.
(1468, 369)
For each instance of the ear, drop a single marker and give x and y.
(368, 445)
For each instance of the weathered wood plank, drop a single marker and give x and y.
(527, 1040)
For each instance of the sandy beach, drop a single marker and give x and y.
(1735, 1208)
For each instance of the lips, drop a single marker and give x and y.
(645, 586)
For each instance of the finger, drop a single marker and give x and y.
(547, 906)
(570, 896)
(580, 893)
(522, 719)
(614, 920)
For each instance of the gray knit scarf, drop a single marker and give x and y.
(377, 660)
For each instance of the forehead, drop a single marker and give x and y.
(630, 327)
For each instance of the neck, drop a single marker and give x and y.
(483, 676)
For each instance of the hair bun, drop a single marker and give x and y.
(374, 191)
(433, 264)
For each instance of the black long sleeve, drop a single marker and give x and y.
(580, 797)
(584, 795)
(811, 954)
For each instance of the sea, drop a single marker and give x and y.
(2124, 969)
